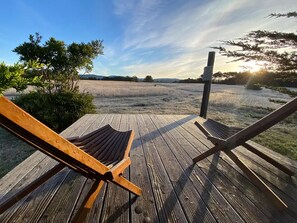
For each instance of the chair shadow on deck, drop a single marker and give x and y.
(118, 212)
(201, 210)
(174, 195)
(152, 135)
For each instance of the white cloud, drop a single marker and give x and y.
(187, 31)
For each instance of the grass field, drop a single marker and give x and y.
(232, 105)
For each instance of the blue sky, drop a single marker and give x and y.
(163, 38)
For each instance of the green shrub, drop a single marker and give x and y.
(57, 110)
(283, 90)
(252, 86)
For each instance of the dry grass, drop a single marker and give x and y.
(12, 151)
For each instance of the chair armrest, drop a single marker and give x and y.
(216, 140)
(202, 128)
(118, 169)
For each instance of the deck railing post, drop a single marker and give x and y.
(206, 77)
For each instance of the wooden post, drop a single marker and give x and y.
(207, 75)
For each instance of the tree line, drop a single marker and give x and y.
(134, 78)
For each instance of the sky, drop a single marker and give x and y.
(162, 38)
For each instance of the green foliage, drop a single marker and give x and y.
(61, 62)
(57, 110)
(134, 79)
(148, 78)
(283, 90)
(276, 49)
(17, 76)
(191, 80)
(277, 101)
(253, 83)
(253, 86)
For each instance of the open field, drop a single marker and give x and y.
(232, 105)
(174, 98)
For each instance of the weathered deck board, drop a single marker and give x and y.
(210, 196)
(241, 184)
(169, 208)
(174, 190)
(142, 209)
(216, 185)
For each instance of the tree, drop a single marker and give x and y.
(135, 78)
(61, 61)
(276, 50)
(17, 76)
(148, 78)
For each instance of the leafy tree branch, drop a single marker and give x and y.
(276, 50)
(61, 62)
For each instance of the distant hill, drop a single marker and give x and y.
(166, 80)
(90, 77)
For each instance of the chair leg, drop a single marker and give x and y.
(127, 185)
(29, 188)
(257, 181)
(209, 152)
(87, 204)
(269, 159)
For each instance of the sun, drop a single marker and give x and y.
(252, 66)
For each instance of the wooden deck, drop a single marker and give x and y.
(174, 190)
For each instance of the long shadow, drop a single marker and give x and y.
(202, 210)
(118, 212)
(164, 129)
(172, 199)
(202, 203)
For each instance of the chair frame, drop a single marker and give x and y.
(29, 129)
(230, 138)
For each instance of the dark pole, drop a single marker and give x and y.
(207, 85)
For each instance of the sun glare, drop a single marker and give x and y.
(251, 66)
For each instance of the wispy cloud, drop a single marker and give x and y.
(183, 32)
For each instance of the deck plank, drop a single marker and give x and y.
(174, 190)
(143, 209)
(208, 192)
(209, 166)
(242, 187)
(169, 208)
(179, 174)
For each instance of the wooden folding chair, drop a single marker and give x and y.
(101, 155)
(227, 138)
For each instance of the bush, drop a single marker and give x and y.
(148, 78)
(57, 110)
(283, 90)
(253, 86)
